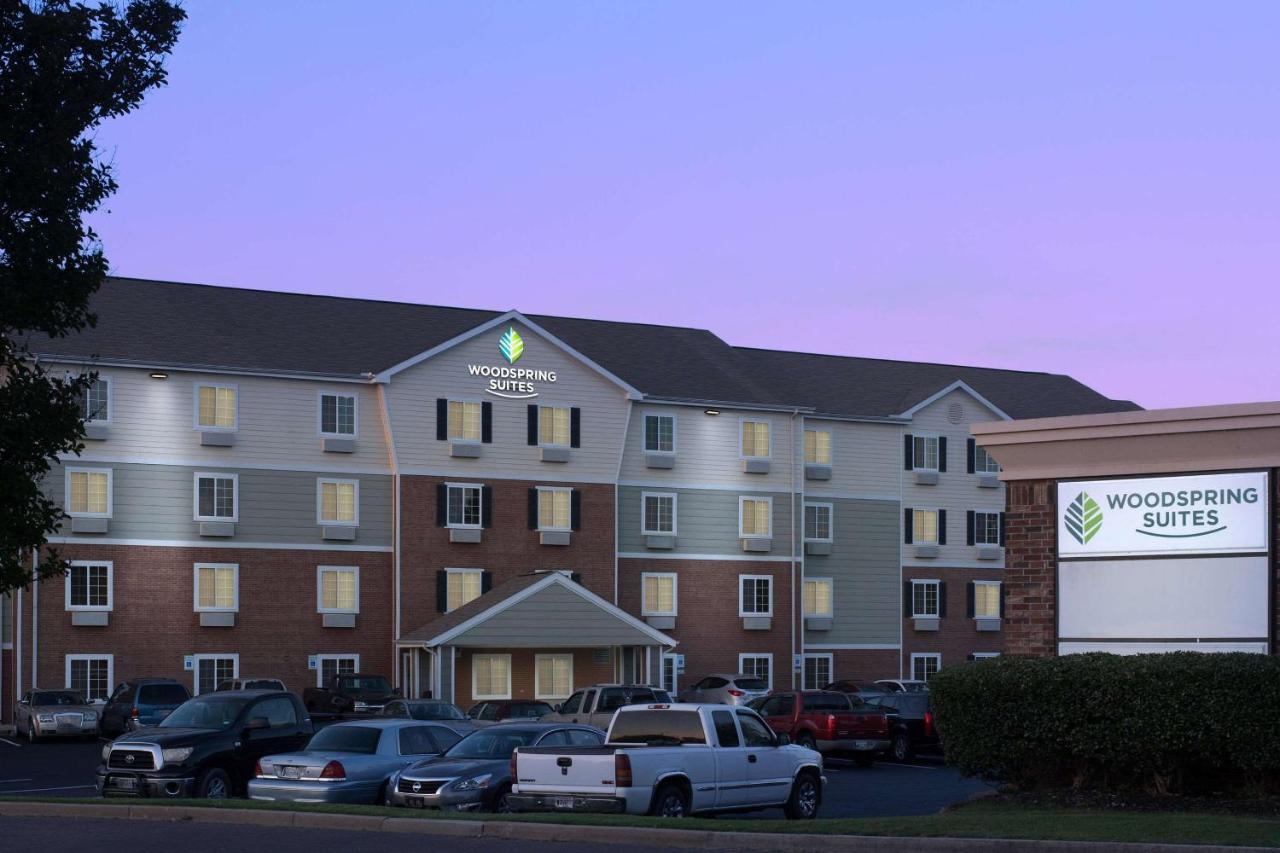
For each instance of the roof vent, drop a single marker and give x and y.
(955, 413)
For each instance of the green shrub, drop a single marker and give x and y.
(1176, 722)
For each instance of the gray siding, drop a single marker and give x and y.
(864, 567)
(541, 621)
(156, 502)
(706, 521)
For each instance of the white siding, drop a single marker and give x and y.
(866, 460)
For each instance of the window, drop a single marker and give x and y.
(755, 439)
(417, 740)
(925, 452)
(217, 587)
(462, 586)
(279, 712)
(755, 518)
(552, 676)
(754, 732)
(465, 421)
(553, 426)
(660, 433)
(925, 666)
(755, 595)
(216, 497)
(757, 666)
(338, 414)
(924, 598)
(554, 511)
(659, 515)
(464, 505)
(90, 675)
(924, 526)
(670, 672)
(216, 407)
(983, 462)
(97, 402)
(89, 492)
(986, 599)
(726, 731)
(89, 586)
(658, 594)
(986, 528)
(330, 665)
(212, 669)
(337, 589)
(817, 522)
(338, 502)
(573, 704)
(817, 446)
(817, 596)
(490, 677)
(817, 671)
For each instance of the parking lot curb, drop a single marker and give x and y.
(601, 835)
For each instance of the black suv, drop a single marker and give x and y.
(141, 702)
(206, 748)
(911, 725)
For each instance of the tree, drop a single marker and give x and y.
(65, 67)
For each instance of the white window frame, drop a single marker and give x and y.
(937, 597)
(320, 572)
(568, 439)
(111, 397)
(925, 656)
(111, 668)
(459, 439)
(645, 610)
(915, 457)
(831, 445)
(195, 496)
(937, 526)
(675, 506)
(327, 522)
(674, 686)
(111, 583)
(195, 587)
(767, 655)
(486, 697)
(538, 692)
(195, 667)
(831, 667)
(976, 614)
(111, 488)
(320, 395)
(479, 487)
(449, 573)
(747, 420)
(978, 512)
(195, 400)
(554, 489)
(320, 659)
(742, 613)
(831, 596)
(742, 499)
(831, 521)
(644, 433)
(977, 469)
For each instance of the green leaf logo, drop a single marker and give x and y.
(1084, 518)
(511, 345)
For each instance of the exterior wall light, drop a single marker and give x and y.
(712, 412)
(159, 374)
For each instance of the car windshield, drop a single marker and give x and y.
(436, 711)
(360, 739)
(531, 710)
(57, 697)
(491, 744)
(206, 712)
(162, 694)
(263, 684)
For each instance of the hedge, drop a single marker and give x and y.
(1165, 723)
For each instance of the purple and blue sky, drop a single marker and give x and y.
(1089, 188)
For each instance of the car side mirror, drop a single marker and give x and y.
(257, 724)
(784, 739)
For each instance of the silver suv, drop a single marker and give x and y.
(725, 689)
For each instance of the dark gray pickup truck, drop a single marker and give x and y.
(350, 694)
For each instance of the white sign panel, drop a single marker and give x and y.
(1200, 514)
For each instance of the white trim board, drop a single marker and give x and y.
(960, 385)
(211, 543)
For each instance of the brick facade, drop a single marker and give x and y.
(957, 636)
(1030, 607)
(586, 670)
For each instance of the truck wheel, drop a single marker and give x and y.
(806, 740)
(670, 801)
(213, 784)
(805, 797)
(901, 748)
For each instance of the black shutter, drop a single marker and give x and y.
(486, 423)
(533, 509)
(942, 527)
(1001, 599)
(906, 598)
(486, 581)
(969, 593)
(575, 427)
(908, 526)
(970, 519)
(486, 506)
(533, 425)
(442, 419)
(576, 577)
(442, 505)
(575, 509)
(442, 591)
(973, 452)
(942, 453)
(942, 599)
(1002, 530)
(908, 452)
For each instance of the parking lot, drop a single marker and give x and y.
(65, 769)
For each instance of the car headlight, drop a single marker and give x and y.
(106, 752)
(475, 783)
(45, 718)
(177, 755)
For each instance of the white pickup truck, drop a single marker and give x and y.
(673, 760)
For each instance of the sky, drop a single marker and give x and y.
(1090, 188)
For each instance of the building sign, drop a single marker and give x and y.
(1200, 514)
(507, 380)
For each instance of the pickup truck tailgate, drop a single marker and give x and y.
(857, 724)
(584, 770)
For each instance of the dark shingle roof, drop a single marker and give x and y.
(474, 607)
(188, 325)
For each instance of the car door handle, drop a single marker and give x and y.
(751, 759)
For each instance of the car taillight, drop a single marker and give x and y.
(257, 769)
(928, 723)
(512, 771)
(733, 692)
(334, 770)
(134, 713)
(622, 770)
(831, 724)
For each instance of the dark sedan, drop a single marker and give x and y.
(509, 709)
(431, 710)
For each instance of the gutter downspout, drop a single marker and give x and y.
(389, 438)
(17, 651)
(35, 617)
(791, 438)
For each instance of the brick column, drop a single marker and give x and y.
(1031, 598)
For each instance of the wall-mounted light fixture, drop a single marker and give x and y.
(159, 374)
(712, 412)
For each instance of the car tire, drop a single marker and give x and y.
(806, 740)
(670, 801)
(32, 737)
(499, 805)
(806, 796)
(900, 748)
(213, 784)
(864, 759)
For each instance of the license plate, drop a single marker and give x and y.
(291, 772)
(864, 744)
(124, 783)
(564, 802)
